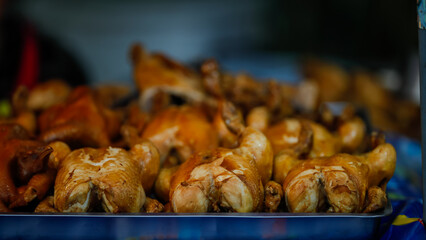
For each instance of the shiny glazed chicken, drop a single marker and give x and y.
(184, 129)
(110, 176)
(340, 183)
(228, 180)
(80, 121)
(220, 180)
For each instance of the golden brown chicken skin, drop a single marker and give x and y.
(110, 176)
(292, 135)
(217, 181)
(80, 121)
(184, 129)
(224, 179)
(162, 184)
(339, 183)
(273, 196)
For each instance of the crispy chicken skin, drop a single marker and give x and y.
(224, 179)
(185, 129)
(339, 183)
(111, 176)
(81, 121)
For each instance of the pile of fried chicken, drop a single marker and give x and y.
(193, 141)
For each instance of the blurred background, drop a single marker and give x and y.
(89, 41)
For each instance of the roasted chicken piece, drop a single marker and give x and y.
(332, 80)
(147, 154)
(227, 138)
(46, 206)
(352, 134)
(137, 118)
(225, 179)
(80, 121)
(349, 127)
(20, 113)
(162, 184)
(153, 206)
(184, 129)
(339, 183)
(273, 196)
(110, 176)
(49, 93)
(259, 118)
(292, 135)
(25, 103)
(217, 181)
(24, 171)
(284, 161)
(109, 94)
(155, 72)
(250, 140)
(324, 143)
(244, 91)
(376, 199)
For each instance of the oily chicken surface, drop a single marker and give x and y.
(339, 183)
(223, 179)
(184, 129)
(109, 176)
(80, 121)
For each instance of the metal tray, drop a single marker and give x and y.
(194, 226)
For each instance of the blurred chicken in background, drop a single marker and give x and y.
(28, 57)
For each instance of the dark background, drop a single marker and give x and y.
(97, 34)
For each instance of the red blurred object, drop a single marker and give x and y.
(29, 67)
